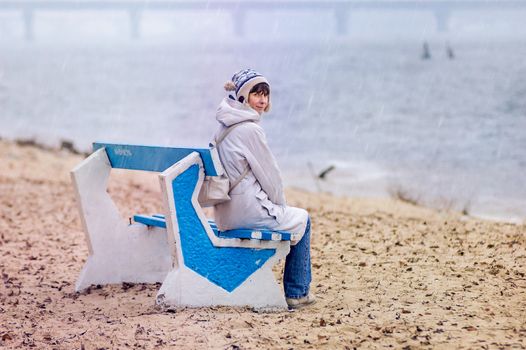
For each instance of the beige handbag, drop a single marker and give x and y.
(216, 189)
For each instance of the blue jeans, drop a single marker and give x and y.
(297, 275)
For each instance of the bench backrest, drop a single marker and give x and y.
(156, 158)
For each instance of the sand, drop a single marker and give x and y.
(386, 274)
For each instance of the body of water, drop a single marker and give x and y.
(449, 133)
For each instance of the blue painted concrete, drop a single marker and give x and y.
(150, 220)
(225, 267)
(266, 235)
(152, 158)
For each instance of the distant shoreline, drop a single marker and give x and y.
(70, 147)
(64, 145)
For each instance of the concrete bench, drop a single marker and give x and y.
(197, 264)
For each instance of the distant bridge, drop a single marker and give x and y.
(441, 10)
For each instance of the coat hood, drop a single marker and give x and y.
(231, 112)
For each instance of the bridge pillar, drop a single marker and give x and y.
(28, 24)
(341, 15)
(442, 20)
(135, 23)
(238, 18)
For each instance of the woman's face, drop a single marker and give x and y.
(258, 101)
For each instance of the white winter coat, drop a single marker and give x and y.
(258, 200)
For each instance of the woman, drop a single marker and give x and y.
(258, 201)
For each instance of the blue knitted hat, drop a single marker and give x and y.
(243, 81)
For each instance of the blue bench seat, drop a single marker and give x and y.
(158, 220)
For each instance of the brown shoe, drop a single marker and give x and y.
(298, 303)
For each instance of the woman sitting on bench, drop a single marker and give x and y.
(258, 201)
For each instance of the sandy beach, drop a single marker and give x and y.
(387, 274)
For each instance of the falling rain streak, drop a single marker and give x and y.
(385, 100)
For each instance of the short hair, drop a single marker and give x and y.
(261, 88)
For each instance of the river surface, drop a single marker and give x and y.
(448, 133)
